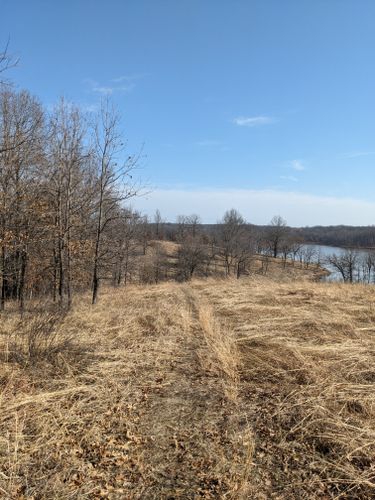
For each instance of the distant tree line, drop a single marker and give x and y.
(340, 236)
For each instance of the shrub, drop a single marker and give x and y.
(36, 337)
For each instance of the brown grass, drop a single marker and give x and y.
(250, 388)
(307, 375)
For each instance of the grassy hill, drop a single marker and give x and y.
(254, 388)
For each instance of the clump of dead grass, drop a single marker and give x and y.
(222, 353)
(33, 338)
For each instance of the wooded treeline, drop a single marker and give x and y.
(63, 188)
(339, 236)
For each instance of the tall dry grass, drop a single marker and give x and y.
(221, 356)
(124, 409)
(250, 388)
(306, 358)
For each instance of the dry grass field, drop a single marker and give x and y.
(253, 388)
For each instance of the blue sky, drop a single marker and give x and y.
(267, 106)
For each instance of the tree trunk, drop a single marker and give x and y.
(95, 286)
(3, 280)
(21, 285)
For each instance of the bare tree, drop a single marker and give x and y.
(7, 61)
(114, 184)
(235, 241)
(212, 252)
(21, 138)
(143, 232)
(158, 224)
(191, 255)
(285, 249)
(295, 248)
(193, 221)
(276, 234)
(368, 266)
(345, 264)
(310, 255)
(124, 246)
(68, 169)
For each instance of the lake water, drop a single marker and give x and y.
(321, 254)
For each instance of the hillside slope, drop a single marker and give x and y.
(212, 389)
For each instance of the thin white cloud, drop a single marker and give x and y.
(128, 78)
(108, 89)
(259, 206)
(357, 154)
(89, 108)
(253, 121)
(103, 90)
(289, 178)
(297, 165)
(111, 90)
(208, 143)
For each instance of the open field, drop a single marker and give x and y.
(253, 388)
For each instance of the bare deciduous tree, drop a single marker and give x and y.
(235, 241)
(276, 233)
(67, 183)
(21, 139)
(159, 225)
(114, 184)
(191, 255)
(345, 264)
(7, 61)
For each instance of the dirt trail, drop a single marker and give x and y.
(192, 437)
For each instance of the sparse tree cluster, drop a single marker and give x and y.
(277, 236)
(237, 244)
(353, 266)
